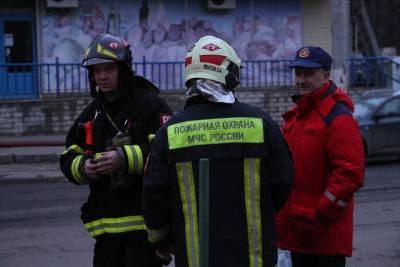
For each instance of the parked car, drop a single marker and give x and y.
(378, 113)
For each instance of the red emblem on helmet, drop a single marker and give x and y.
(211, 47)
(113, 45)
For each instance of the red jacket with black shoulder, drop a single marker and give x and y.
(329, 167)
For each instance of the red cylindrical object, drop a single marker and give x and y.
(89, 137)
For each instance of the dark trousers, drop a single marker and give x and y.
(124, 252)
(311, 260)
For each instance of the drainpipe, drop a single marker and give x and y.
(370, 31)
(341, 41)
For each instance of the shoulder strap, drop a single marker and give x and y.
(338, 109)
(335, 108)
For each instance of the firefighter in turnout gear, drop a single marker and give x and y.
(250, 169)
(106, 148)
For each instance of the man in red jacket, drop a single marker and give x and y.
(316, 223)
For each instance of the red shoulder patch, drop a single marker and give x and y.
(164, 117)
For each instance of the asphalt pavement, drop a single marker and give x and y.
(35, 158)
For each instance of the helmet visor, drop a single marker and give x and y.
(95, 60)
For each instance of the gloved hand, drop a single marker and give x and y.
(328, 212)
(108, 162)
(90, 169)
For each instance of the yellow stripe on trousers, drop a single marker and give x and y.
(253, 213)
(188, 196)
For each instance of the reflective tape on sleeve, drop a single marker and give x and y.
(332, 198)
(74, 148)
(76, 173)
(135, 158)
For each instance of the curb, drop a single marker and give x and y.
(20, 159)
(13, 215)
(32, 143)
(32, 180)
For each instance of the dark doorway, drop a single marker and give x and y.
(21, 51)
(18, 73)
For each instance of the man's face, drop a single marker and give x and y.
(106, 76)
(308, 80)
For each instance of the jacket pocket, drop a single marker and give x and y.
(302, 220)
(302, 213)
(306, 220)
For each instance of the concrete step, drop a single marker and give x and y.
(31, 149)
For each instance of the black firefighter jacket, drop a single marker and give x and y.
(112, 210)
(250, 176)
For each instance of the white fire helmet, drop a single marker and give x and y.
(212, 58)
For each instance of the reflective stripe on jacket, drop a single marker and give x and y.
(248, 159)
(110, 210)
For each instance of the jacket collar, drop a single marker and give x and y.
(195, 100)
(121, 94)
(305, 103)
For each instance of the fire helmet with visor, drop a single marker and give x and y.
(214, 59)
(108, 48)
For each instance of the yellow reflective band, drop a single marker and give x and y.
(115, 225)
(215, 131)
(97, 155)
(75, 170)
(74, 148)
(139, 156)
(253, 211)
(155, 236)
(150, 137)
(129, 154)
(105, 52)
(188, 197)
(135, 158)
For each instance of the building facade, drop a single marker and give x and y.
(42, 43)
(58, 32)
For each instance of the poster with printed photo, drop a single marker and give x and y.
(161, 31)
